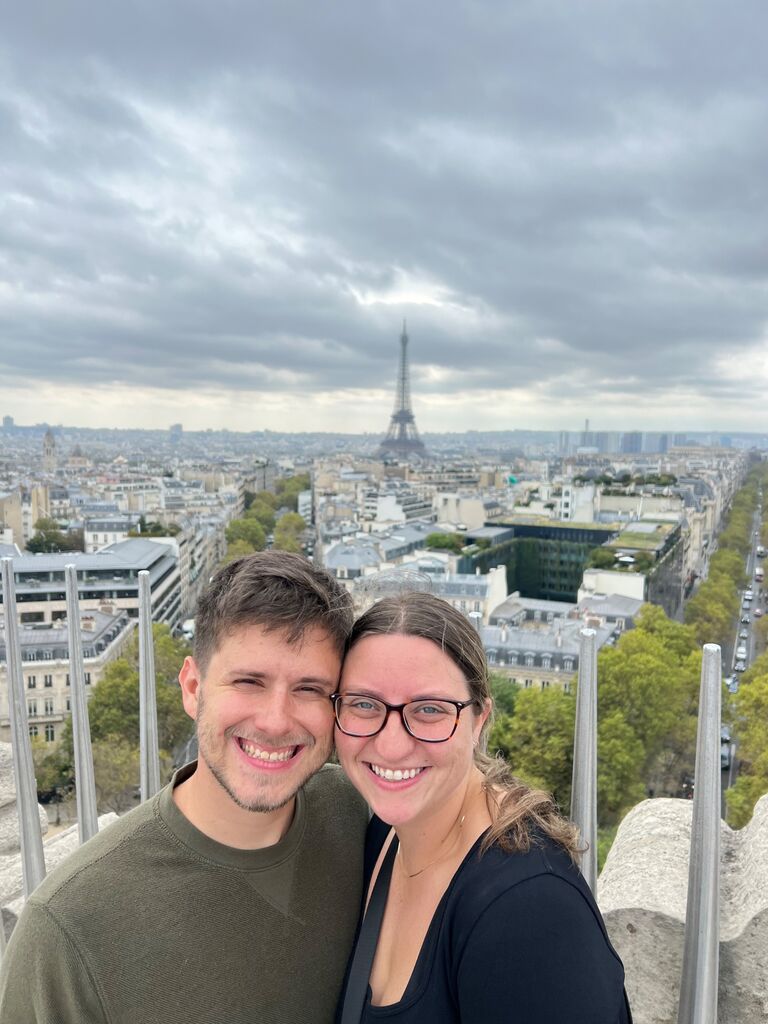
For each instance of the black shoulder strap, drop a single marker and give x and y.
(365, 950)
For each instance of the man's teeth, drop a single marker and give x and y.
(395, 774)
(266, 755)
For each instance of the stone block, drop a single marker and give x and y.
(642, 893)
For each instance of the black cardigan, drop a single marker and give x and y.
(515, 938)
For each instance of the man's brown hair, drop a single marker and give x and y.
(276, 590)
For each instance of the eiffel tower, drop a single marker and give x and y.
(402, 437)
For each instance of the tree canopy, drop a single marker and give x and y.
(647, 701)
(438, 541)
(247, 531)
(49, 537)
(288, 533)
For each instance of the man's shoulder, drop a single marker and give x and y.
(331, 782)
(100, 855)
(331, 791)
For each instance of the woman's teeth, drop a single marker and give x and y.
(395, 774)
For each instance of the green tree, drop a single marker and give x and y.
(154, 529)
(53, 770)
(679, 639)
(750, 721)
(601, 558)
(504, 693)
(538, 740)
(647, 700)
(620, 763)
(445, 541)
(288, 533)
(117, 772)
(289, 488)
(113, 708)
(263, 514)
(761, 633)
(712, 610)
(49, 537)
(249, 530)
(237, 549)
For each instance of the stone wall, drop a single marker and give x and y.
(56, 849)
(642, 893)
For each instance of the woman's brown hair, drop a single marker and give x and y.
(517, 810)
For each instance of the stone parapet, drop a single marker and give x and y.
(642, 893)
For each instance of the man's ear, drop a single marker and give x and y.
(190, 679)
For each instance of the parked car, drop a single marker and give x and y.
(758, 612)
(733, 684)
(743, 634)
(740, 666)
(748, 595)
(725, 747)
(745, 619)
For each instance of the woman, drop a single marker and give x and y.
(476, 911)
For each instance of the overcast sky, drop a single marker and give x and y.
(220, 213)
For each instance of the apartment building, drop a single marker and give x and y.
(46, 669)
(540, 657)
(108, 580)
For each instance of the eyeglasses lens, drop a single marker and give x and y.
(426, 719)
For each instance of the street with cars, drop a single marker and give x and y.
(753, 606)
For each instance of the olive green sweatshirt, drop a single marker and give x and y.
(152, 922)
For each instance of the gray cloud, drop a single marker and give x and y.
(251, 197)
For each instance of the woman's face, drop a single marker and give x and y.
(398, 669)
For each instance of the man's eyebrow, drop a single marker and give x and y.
(250, 673)
(321, 680)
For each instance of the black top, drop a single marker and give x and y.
(515, 937)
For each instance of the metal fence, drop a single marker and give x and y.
(699, 982)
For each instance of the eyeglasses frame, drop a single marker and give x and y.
(399, 708)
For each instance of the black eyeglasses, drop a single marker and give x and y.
(431, 720)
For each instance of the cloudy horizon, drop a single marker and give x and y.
(221, 215)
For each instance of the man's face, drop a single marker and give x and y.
(264, 720)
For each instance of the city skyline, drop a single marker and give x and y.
(222, 219)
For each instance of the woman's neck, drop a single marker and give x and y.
(427, 841)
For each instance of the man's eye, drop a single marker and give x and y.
(245, 683)
(312, 691)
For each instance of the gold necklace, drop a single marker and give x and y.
(442, 856)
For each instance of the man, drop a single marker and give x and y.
(232, 896)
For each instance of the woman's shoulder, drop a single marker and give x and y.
(499, 874)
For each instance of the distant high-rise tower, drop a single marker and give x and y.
(402, 437)
(49, 451)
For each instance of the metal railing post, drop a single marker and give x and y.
(85, 782)
(149, 752)
(584, 779)
(701, 950)
(30, 836)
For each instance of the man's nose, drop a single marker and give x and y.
(275, 713)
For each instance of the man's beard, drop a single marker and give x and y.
(262, 803)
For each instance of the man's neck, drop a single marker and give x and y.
(207, 806)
